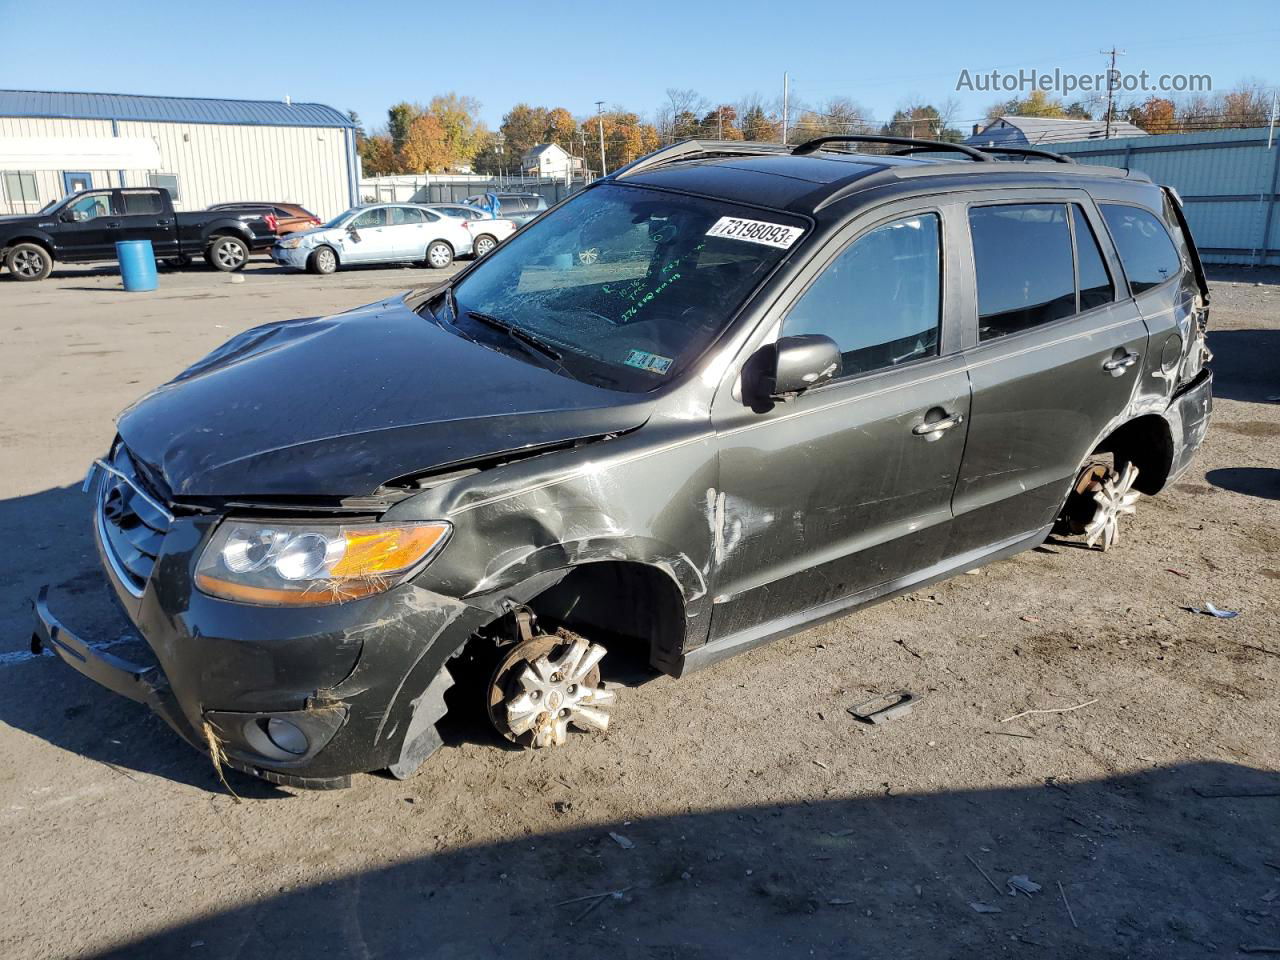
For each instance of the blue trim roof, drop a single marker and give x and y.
(119, 106)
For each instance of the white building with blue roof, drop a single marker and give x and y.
(203, 151)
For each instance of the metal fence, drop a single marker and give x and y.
(1227, 178)
(432, 188)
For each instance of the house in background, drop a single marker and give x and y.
(202, 151)
(550, 160)
(1010, 131)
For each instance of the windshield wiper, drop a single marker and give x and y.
(516, 333)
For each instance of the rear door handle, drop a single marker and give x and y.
(163, 223)
(937, 426)
(1116, 366)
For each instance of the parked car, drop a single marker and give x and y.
(384, 233)
(794, 382)
(85, 226)
(520, 207)
(284, 218)
(487, 231)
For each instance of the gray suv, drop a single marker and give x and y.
(724, 393)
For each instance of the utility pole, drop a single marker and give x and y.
(1272, 131)
(600, 124)
(786, 90)
(1111, 85)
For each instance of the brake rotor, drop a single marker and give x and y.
(546, 683)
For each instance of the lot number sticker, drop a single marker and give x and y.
(756, 231)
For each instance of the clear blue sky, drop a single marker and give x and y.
(571, 54)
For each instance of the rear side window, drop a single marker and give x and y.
(141, 202)
(1026, 276)
(879, 300)
(1096, 288)
(404, 215)
(1143, 243)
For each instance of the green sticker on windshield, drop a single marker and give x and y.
(643, 360)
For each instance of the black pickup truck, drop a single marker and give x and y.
(85, 227)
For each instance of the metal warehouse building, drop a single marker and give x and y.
(202, 151)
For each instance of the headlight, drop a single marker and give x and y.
(289, 243)
(292, 564)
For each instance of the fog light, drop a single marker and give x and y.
(287, 736)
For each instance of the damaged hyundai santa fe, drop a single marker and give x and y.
(722, 394)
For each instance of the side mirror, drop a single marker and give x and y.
(794, 364)
(67, 216)
(353, 233)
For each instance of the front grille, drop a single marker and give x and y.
(132, 522)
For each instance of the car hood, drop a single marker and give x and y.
(336, 406)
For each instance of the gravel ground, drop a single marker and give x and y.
(740, 812)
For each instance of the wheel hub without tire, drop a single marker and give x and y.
(545, 684)
(1114, 497)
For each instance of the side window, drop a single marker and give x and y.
(141, 203)
(1144, 246)
(90, 207)
(428, 216)
(1096, 288)
(880, 299)
(371, 218)
(1026, 275)
(405, 215)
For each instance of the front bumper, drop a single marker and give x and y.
(346, 676)
(295, 257)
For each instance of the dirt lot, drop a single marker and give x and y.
(738, 813)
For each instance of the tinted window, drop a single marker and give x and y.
(141, 202)
(1144, 246)
(879, 299)
(1026, 277)
(371, 218)
(428, 216)
(1095, 281)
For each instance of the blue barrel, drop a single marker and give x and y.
(137, 264)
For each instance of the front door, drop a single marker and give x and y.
(75, 182)
(844, 491)
(143, 217)
(368, 238)
(85, 228)
(1053, 368)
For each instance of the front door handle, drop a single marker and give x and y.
(934, 430)
(113, 225)
(163, 223)
(1116, 366)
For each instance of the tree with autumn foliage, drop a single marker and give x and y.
(626, 138)
(378, 156)
(1154, 115)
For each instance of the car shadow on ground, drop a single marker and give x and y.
(1175, 862)
(1261, 482)
(1244, 364)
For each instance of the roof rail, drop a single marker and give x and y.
(1030, 152)
(693, 149)
(812, 146)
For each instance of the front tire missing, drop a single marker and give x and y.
(544, 684)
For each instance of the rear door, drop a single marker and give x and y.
(145, 216)
(831, 496)
(1053, 353)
